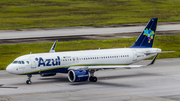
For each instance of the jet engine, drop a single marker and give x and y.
(47, 74)
(78, 75)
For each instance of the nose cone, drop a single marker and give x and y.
(9, 68)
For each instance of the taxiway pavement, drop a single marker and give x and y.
(160, 82)
(80, 31)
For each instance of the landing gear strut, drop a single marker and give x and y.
(29, 79)
(92, 78)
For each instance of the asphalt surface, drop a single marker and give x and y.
(41, 35)
(160, 82)
(75, 32)
(82, 37)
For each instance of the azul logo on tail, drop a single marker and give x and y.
(146, 38)
(149, 33)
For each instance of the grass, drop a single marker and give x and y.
(64, 13)
(9, 52)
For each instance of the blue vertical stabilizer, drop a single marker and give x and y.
(146, 38)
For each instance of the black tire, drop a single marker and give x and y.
(28, 82)
(93, 79)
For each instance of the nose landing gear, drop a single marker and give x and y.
(29, 79)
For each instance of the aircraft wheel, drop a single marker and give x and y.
(28, 82)
(90, 78)
(93, 79)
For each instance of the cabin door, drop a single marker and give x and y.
(34, 64)
(134, 55)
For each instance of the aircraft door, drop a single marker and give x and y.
(28, 66)
(34, 64)
(134, 55)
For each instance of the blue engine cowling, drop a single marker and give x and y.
(78, 75)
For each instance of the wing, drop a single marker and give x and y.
(104, 67)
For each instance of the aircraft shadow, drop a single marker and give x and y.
(102, 84)
(128, 76)
(55, 79)
(64, 79)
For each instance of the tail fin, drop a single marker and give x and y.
(146, 38)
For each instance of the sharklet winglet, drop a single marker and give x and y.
(53, 47)
(154, 59)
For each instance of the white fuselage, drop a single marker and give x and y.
(61, 61)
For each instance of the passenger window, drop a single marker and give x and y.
(22, 62)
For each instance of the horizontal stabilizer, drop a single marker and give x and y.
(148, 53)
(167, 51)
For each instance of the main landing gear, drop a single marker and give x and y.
(29, 79)
(92, 78)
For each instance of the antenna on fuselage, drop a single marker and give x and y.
(53, 47)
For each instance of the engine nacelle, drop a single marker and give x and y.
(47, 74)
(78, 75)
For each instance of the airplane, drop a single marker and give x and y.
(81, 65)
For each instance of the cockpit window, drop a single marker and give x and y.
(15, 62)
(27, 62)
(18, 62)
